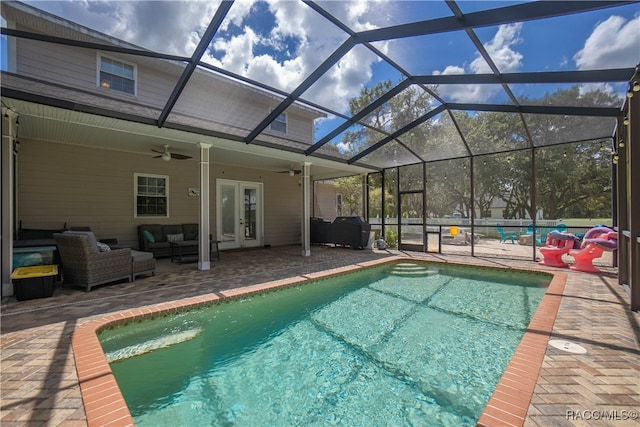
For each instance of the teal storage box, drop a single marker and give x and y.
(34, 282)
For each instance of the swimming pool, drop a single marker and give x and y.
(393, 345)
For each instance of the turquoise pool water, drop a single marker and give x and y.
(404, 344)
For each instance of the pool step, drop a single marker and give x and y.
(151, 345)
(407, 269)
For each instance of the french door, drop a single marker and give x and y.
(239, 214)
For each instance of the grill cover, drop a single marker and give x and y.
(319, 231)
(350, 231)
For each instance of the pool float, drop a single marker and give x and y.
(558, 244)
(595, 242)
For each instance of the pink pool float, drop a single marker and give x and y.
(595, 242)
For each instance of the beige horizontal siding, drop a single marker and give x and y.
(80, 186)
(207, 96)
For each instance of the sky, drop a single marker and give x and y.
(280, 42)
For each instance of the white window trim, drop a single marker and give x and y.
(99, 57)
(135, 194)
(286, 124)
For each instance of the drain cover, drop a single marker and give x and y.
(568, 346)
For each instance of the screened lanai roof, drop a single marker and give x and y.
(400, 82)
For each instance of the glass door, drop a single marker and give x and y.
(239, 214)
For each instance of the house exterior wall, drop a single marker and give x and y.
(324, 205)
(206, 97)
(61, 184)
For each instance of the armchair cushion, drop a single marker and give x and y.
(190, 231)
(156, 232)
(170, 229)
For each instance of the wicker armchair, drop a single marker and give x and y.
(83, 264)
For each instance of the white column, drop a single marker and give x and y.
(204, 260)
(9, 118)
(306, 209)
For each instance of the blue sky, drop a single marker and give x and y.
(280, 42)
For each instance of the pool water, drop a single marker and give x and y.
(404, 344)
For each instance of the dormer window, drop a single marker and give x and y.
(280, 123)
(116, 75)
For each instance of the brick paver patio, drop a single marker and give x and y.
(40, 386)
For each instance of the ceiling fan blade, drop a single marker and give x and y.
(156, 151)
(179, 156)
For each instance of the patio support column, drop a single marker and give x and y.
(9, 122)
(204, 248)
(632, 166)
(305, 233)
(365, 197)
(472, 187)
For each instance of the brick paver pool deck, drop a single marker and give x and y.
(40, 382)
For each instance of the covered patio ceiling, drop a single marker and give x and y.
(486, 72)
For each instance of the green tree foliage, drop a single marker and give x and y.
(351, 189)
(571, 179)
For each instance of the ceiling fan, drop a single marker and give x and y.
(292, 172)
(166, 155)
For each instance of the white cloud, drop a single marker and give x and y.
(176, 27)
(501, 51)
(614, 43)
(315, 39)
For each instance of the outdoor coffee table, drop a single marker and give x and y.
(187, 250)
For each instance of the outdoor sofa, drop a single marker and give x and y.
(155, 238)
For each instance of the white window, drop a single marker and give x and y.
(279, 124)
(116, 75)
(151, 196)
(339, 204)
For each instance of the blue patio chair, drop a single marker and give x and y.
(504, 236)
(561, 227)
(544, 232)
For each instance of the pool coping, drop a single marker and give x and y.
(104, 404)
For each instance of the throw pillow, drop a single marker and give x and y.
(147, 235)
(175, 237)
(103, 247)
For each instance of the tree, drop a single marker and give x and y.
(351, 189)
(570, 178)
